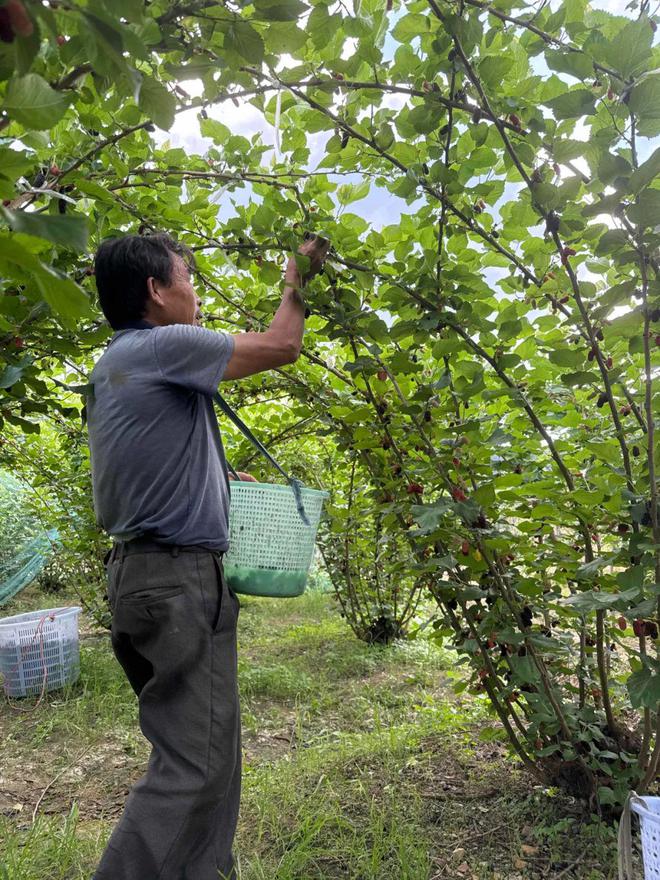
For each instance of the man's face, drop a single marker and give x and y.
(177, 302)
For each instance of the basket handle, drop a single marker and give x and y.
(625, 836)
(295, 484)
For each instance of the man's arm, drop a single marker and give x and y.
(281, 343)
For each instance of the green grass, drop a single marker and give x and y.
(360, 763)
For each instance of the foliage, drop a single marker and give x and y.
(17, 525)
(54, 466)
(372, 569)
(490, 354)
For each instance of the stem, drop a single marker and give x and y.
(602, 670)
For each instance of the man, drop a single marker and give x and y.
(161, 491)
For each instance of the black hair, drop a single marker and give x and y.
(122, 267)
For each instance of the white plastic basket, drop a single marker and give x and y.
(648, 810)
(270, 547)
(39, 651)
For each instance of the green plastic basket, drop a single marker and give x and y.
(270, 547)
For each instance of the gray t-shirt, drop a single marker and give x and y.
(158, 463)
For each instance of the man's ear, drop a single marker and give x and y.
(154, 288)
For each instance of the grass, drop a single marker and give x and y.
(360, 763)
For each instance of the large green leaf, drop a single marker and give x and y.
(566, 357)
(279, 10)
(646, 210)
(70, 232)
(11, 374)
(33, 103)
(644, 686)
(214, 129)
(14, 163)
(575, 63)
(157, 102)
(627, 50)
(644, 102)
(645, 174)
(579, 102)
(493, 68)
(425, 118)
(243, 39)
(352, 192)
(63, 296)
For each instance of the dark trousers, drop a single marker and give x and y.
(174, 633)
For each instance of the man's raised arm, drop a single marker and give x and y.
(280, 344)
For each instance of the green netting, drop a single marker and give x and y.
(25, 545)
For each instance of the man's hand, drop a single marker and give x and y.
(245, 478)
(316, 248)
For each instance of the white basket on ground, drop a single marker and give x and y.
(270, 547)
(648, 812)
(39, 651)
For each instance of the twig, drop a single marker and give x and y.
(472, 837)
(568, 868)
(54, 780)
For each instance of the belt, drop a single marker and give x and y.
(149, 545)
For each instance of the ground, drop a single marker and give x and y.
(359, 762)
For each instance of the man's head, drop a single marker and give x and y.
(146, 276)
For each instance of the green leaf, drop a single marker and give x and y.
(33, 103)
(157, 102)
(645, 174)
(574, 63)
(70, 232)
(104, 43)
(565, 150)
(570, 105)
(14, 163)
(546, 195)
(606, 795)
(352, 192)
(646, 210)
(283, 36)
(63, 295)
(644, 686)
(426, 117)
(644, 101)
(612, 166)
(524, 669)
(493, 68)
(11, 374)
(279, 10)
(215, 130)
(579, 378)
(243, 39)
(410, 26)
(429, 516)
(566, 357)
(27, 49)
(628, 50)
(632, 577)
(591, 600)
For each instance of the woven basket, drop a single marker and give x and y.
(270, 547)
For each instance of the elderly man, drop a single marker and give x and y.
(161, 491)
